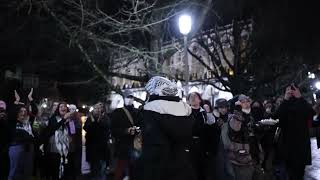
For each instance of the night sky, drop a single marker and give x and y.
(33, 39)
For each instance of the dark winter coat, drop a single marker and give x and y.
(18, 135)
(119, 126)
(75, 144)
(4, 140)
(208, 134)
(295, 141)
(167, 132)
(4, 134)
(97, 136)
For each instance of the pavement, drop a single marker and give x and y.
(313, 171)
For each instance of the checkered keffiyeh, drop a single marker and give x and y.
(161, 86)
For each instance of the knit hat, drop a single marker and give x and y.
(221, 103)
(242, 97)
(161, 86)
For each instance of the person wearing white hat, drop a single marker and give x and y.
(167, 132)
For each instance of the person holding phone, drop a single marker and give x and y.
(294, 113)
(97, 133)
(60, 147)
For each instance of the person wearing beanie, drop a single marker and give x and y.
(166, 132)
(239, 141)
(221, 111)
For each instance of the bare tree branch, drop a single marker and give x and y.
(78, 82)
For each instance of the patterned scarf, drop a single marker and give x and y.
(62, 143)
(161, 86)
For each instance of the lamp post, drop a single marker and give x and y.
(185, 24)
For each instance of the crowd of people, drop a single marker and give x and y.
(165, 139)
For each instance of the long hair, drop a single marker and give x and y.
(199, 96)
(207, 102)
(104, 117)
(56, 112)
(17, 110)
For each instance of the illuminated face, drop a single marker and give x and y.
(63, 109)
(289, 91)
(97, 109)
(245, 104)
(207, 108)
(22, 114)
(223, 110)
(55, 106)
(194, 100)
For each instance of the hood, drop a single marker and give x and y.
(169, 107)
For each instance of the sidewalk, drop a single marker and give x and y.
(313, 171)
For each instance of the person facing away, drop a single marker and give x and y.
(97, 135)
(294, 113)
(166, 132)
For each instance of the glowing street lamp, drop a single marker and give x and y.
(185, 24)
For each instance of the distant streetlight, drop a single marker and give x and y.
(317, 85)
(185, 24)
(311, 75)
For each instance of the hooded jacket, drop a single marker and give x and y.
(167, 132)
